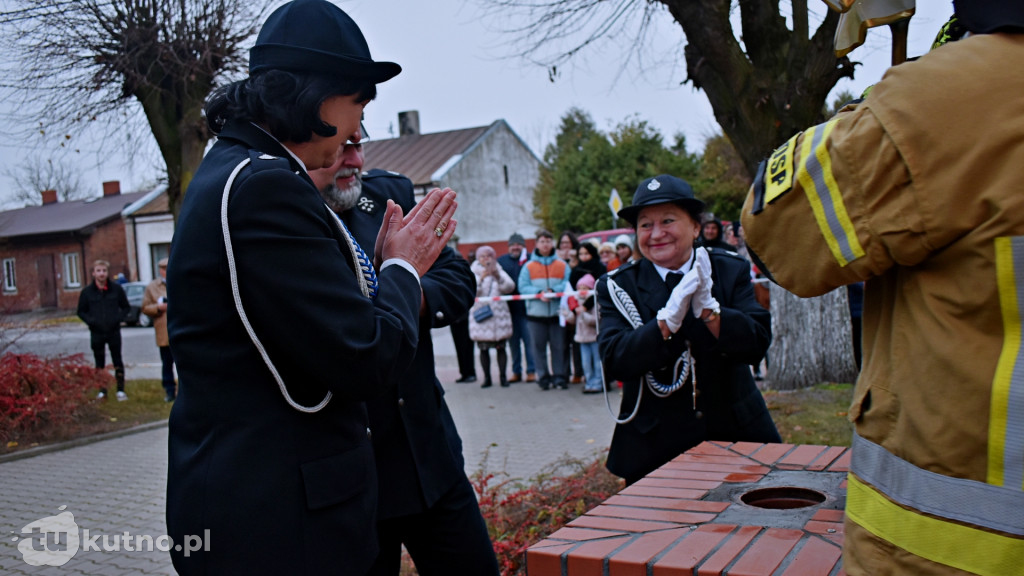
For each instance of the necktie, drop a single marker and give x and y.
(672, 279)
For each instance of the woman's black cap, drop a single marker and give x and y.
(316, 36)
(659, 190)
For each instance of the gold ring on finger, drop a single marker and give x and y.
(438, 231)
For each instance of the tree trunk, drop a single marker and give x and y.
(772, 86)
(811, 340)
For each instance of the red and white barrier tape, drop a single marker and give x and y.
(507, 297)
(557, 295)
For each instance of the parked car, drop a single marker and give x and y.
(135, 317)
(608, 235)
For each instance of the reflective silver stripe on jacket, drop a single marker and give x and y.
(956, 499)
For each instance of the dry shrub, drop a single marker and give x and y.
(519, 515)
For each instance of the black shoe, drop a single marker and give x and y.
(504, 383)
(543, 385)
(562, 385)
(466, 379)
(486, 384)
(591, 390)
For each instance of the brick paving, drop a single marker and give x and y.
(117, 485)
(743, 508)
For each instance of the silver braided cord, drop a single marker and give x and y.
(366, 275)
(238, 300)
(683, 366)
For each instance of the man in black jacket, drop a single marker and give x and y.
(101, 305)
(425, 500)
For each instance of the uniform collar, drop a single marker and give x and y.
(663, 272)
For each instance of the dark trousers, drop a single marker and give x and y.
(521, 335)
(573, 356)
(167, 370)
(449, 538)
(545, 333)
(99, 343)
(463, 347)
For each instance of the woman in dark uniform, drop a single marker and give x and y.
(280, 324)
(678, 316)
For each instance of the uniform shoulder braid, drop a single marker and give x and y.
(262, 161)
(723, 252)
(378, 173)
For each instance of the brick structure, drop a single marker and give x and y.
(47, 251)
(740, 509)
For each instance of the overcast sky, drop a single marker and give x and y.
(457, 74)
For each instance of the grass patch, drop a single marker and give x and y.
(145, 404)
(815, 415)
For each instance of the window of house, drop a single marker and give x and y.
(10, 281)
(158, 252)
(505, 168)
(72, 271)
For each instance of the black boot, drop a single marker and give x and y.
(502, 363)
(485, 363)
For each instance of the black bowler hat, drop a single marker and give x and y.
(316, 36)
(659, 190)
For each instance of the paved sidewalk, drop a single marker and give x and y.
(117, 486)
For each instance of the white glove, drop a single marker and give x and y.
(702, 298)
(679, 301)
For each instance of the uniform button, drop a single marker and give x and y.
(439, 315)
(401, 402)
(369, 434)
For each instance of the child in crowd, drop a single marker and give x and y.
(586, 333)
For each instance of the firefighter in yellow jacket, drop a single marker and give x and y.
(919, 191)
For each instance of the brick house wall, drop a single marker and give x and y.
(107, 242)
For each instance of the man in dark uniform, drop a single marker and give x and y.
(280, 324)
(101, 305)
(425, 500)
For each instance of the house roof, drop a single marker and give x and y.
(155, 202)
(420, 157)
(62, 217)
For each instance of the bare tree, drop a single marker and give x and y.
(73, 62)
(765, 83)
(37, 174)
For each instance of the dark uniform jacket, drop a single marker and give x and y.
(729, 405)
(281, 491)
(418, 449)
(512, 267)
(102, 310)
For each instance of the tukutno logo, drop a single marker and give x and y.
(50, 541)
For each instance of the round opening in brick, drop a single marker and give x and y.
(782, 498)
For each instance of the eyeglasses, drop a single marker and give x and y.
(364, 136)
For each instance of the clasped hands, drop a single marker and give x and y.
(692, 293)
(419, 236)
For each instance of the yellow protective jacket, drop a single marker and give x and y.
(919, 191)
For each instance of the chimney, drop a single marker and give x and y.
(409, 123)
(111, 188)
(49, 197)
